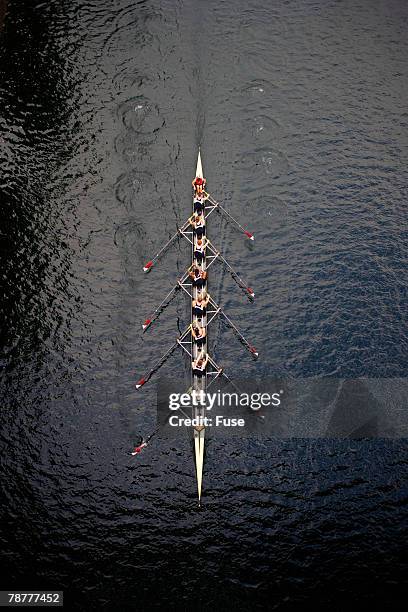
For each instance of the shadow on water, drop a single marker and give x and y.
(36, 143)
(3, 11)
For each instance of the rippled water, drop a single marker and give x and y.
(300, 110)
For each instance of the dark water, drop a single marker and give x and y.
(301, 111)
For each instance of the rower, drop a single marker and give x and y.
(199, 365)
(199, 334)
(200, 305)
(198, 276)
(198, 184)
(198, 223)
(199, 249)
(199, 203)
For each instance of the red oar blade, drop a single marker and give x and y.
(140, 383)
(150, 263)
(157, 365)
(138, 449)
(230, 217)
(248, 291)
(146, 324)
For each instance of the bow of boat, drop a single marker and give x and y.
(199, 170)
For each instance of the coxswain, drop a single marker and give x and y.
(198, 223)
(199, 364)
(199, 248)
(200, 305)
(199, 334)
(138, 449)
(198, 276)
(198, 184)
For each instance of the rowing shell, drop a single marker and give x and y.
(199, 383)
(186, 340)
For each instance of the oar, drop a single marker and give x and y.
(161, 361)
(157, 365)
(250, 292)
(221, 373)
(145, 441)
(231, 218)
(149, 265)
(157, 312)
(241, 336)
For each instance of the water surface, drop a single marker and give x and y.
(300, 110)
